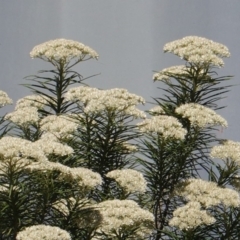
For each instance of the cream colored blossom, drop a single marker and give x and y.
(50, 145)
(24, 116)
(41, 232)
(63, 50)
(167, 73)
(13, 147)
(198, 50)
(191, 216)
(130, 180)
(4, 99)
(84, 177)
(200, 116)
(123, 215)
(168, 126)
(36, 101)
(227, 150)
(116, 99)
(61, 126)
(208, 193)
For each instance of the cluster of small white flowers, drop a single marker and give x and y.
(190, 216)
(200, 116)
(13, 147)
(130, 180)
(40, 232)
(85, 178)
(227, 150)
(4, 99)
(50, 145)
(24, 116)
(167, 73)
(157, 110)
(116, 99)
(208, 193)
(168, 126)
(61, 126)
(122, 215)
(36, 101)
(62, 50)
(198, 50)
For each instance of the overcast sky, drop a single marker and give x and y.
(128, 35)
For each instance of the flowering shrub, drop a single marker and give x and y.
(84, 163)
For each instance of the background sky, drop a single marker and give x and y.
(128, 35)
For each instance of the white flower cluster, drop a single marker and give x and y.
(208, 193)
(61, 126)
(167, 73)
(227, 150)
(168, 126)
(24, 116)
(36, 101)
(123, 215)
(4, 99)
(130, 180)
(116, 99)
(85, 178)
(190, 216)
(26, 110)
(198, 50)
(50, 145)
(200, 116)
(41, 232)
(17, 148)
(62, 50)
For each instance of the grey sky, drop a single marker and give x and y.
(129, 36)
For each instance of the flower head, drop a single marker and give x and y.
(4, 99)
(167, 126)
(190, 216)
(200, 116)
(62, 50)
(121, 215)
(130, 180)
(207, 193)
(40, 232)
(198, 50)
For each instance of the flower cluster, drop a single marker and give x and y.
(122, 215)
(190, 216)
(96, 101)
(227, 150)
(17, 148)
(167, 73)
(40, 232)
(84, 177)
(61, 126)
(53, 146)
(207, 193)
(198, 50)
(62, 50)
(200, 116)
(26, 110)
(130, 180)
(167, 126)
(4, 99)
